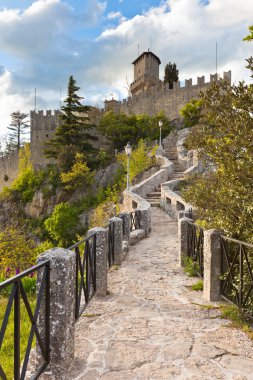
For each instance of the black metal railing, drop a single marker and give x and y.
(17, 294)
(134, 220)
(110, 255)
(236, 273)
(195, 247)
(85, 280)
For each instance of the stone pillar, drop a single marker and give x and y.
(145, 220)
(118, 238)
(101, 259)
(126, 223)
(62, 309)
(212, 265)
(183, 239)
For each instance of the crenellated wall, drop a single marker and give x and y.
(161, 97)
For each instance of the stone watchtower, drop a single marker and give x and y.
(146, 72)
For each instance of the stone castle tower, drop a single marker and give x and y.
(146, 72)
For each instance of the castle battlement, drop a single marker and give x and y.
(161, 89)
(45, 113)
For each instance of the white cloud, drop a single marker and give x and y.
(50, 42)
(114, 15)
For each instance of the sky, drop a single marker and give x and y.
(43, 42)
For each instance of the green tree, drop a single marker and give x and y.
(18, 128)
(62, 224)
(120, 128)
(191, 112)
(79, 175)
(223, 139)
(16, 250)
(171, 74)
(73, 134)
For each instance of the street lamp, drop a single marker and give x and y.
(128, 150)
(160, 123)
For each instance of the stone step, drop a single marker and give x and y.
(155, 204)
(154, 193)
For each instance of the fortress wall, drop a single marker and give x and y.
(160, 97)
(8, 167)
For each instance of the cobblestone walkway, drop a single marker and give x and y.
(150, 326)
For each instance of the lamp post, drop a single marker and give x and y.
(160, 123)
(128, 150)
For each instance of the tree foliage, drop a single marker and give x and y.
(73, 134)
(27, 182)
(223, 139)
(171, 74)
(191, 112)
(18, 128)
(61, 225)
(121, 129)
(79, 174)
(16, 250)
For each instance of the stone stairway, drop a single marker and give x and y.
(154, 197)
(171, 153)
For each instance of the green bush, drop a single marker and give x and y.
(61, 225)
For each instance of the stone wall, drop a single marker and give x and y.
(9, 168)
(171, 201)
(161, 97)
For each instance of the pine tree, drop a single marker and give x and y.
(18, 126)
(171, 74)
(73, 132)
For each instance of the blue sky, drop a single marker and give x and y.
(43, 42)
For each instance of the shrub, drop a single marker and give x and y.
(61, 225)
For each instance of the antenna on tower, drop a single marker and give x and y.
(138, 50)
(216, 57)
(35, 100)
(60, 97)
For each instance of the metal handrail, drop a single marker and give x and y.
(237, 273)
(85, 278)
(17, 293)
(195, 246)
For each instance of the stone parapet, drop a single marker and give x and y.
(171, 201)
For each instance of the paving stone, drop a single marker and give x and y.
(124, 355)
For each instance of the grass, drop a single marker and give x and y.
(198, 286)
(237, 317)
(7, 349)
(190, 267)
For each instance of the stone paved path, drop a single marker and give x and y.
(150, 326)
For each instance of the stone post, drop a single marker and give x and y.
(145, 220)
(118, 238)
(212, 265)
(183, 239)
(101, 259)
(62, 309)
(126, 224)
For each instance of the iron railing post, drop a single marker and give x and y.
(17, 332)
